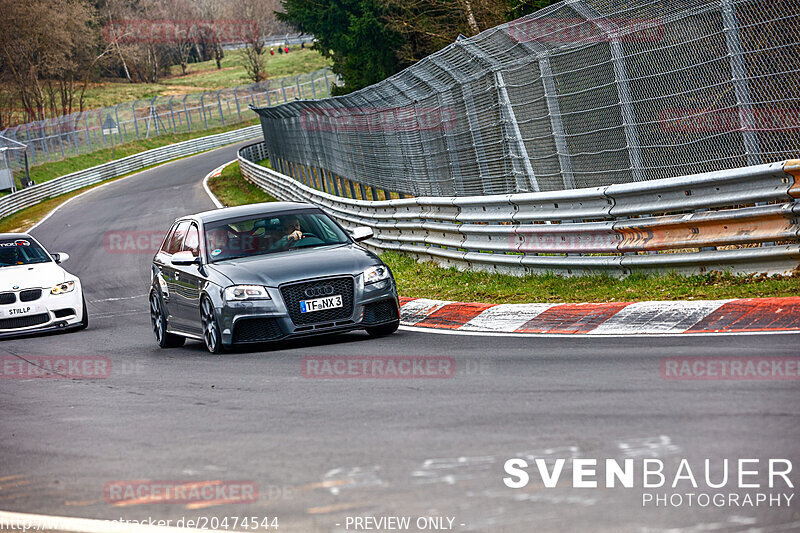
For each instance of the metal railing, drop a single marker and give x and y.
(83, 132)
(743, 220)
(583, 93)
(32, 195)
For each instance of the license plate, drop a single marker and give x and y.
(21, 311)
(320, 304)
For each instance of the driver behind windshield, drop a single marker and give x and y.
(292, 233)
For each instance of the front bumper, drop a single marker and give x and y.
(49, 313)
(260, 321)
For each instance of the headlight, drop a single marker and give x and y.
(61, 288)
(246, 292)
(375, 274)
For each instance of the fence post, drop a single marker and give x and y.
(172, 113)
(203, 109)
(299, 90)
(219, 103)
(119, 124)
(88, 133)
(313, 91)
(236, 98)
(740, 84)
(556, 124)
(622, 80)
(516, 136)
(135, 122)
(186, 113)
(283, 88)
(327, 83)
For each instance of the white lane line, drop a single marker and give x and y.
(83, 525)
(118, 299)
(659, 317)
(213, 173)
(419, 309)
(505, 317)
(437, 331)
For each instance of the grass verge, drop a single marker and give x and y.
(232, 189)
(427, 280)
(48, 171)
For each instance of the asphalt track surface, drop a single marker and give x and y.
(321, 450)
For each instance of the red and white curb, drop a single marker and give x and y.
(752, 315)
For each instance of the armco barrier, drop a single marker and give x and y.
(659, 225)
(32, 195)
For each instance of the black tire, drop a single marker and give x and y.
(212, 336)
(159, 322)
(385, 329)
(85, 320)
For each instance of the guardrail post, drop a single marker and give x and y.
(335, 181)
(352, 189)
(363, 190)
(740, 84)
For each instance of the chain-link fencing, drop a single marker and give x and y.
(83, 132)
(583, 93)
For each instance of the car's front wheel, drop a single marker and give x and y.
(385, 329)
(158, 319)
(211, 332)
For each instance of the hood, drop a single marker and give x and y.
(283, 267)
(43, 275)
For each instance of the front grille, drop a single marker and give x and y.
(23, 321)
(256, 330)
(7, 298)
(380, 312)
(294, 293)
(30, 295)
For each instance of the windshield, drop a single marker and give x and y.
(260, 235)
(21, 252)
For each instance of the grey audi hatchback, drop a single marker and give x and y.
(267, 272)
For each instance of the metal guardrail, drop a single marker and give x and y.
(659, 225)
(32, 195)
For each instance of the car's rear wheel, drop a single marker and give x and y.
(158, 319)
(385, 329)
(211, 332)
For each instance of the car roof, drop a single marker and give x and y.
(266, 208)
(14, 236)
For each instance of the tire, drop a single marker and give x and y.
(85, 320)
(159, 322)
(212, 337)
(385, 329)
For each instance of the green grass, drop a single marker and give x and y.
(204, 77)
(48, 171)
(427, 280)
(232, 189)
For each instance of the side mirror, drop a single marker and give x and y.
(362, 233)
(60, 257)
(185, 258)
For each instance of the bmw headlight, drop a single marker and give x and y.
(246, 292)
(62, 288)
(376, 274)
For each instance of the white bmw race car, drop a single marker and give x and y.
(36, 294)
